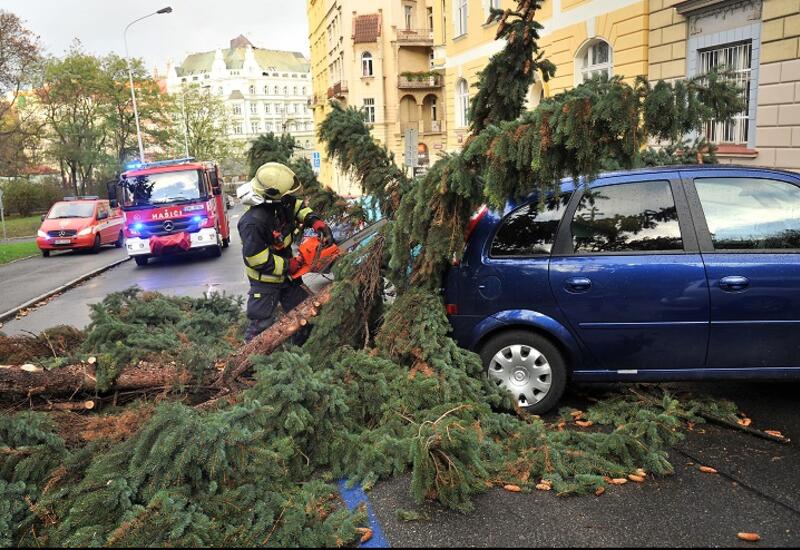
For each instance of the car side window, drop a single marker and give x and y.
(751, 213)
(630, 217)
(530, 230)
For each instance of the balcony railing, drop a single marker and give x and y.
(428, 81)
(417, 36)
(338, 90)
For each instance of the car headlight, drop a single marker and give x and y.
(41, 234)
(89, 230)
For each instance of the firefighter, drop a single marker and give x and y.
(268, 229)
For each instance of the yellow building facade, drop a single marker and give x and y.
(375, 55)
(669, 39)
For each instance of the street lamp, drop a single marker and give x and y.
(130, 76)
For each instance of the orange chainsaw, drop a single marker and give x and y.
(316, 257)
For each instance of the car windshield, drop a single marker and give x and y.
(164, 188)
(62, 210)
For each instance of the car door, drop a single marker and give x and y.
(749, 233)
(102, 222)
(628, 275)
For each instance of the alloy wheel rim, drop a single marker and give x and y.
(524, 371)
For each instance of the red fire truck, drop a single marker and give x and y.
(172, 207)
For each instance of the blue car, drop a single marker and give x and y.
(664, 274)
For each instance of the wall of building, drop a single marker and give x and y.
(399, 101)
(568, 25)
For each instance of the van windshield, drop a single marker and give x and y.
(62, 210)
(164, 188)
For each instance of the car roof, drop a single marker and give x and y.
(568, 184)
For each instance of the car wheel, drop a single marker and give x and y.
(529, 366)
(97, 244)
(226, 242)
(141, 260)
(120, 240)
(46, 253)
(215, 251)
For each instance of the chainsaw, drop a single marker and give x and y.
(317, 258)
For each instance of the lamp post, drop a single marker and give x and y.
(130, 76)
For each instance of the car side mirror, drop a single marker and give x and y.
(44, 216)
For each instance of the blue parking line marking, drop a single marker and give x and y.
(353, 497)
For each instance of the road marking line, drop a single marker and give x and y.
(353, 497)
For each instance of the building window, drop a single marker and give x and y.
(266, 90)
(304, 90)
(430, 18)
(409, 17)
(267, 109)
(461, 16)
(366, 64)
(295, 90)
(286, 90)
(462, 104)
(253, 108)
(277, 91)
(252, 90)
(738, 60)
(237, 109)
(279, 108)
(255, 127)
(369, 110)
(594, 59)
(237, 129)
(268, 127)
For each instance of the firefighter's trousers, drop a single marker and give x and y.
(262, 304)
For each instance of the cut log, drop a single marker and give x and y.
(269, 340)
(17, 380)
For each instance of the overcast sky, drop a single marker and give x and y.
(194, 25)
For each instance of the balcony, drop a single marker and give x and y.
(415, 37)
(419, 81)
(338, 90)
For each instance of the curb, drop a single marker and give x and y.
(20, 259)
(75, 282)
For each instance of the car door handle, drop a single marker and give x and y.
(734, 283)
(578, 284)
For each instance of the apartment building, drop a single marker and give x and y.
(263, 90)
(376, 55)
(759, 40)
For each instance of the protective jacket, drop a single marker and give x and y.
(268, 232)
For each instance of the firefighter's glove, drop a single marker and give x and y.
(295, 264)
(324, 232)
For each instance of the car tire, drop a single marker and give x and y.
(120, 242)
(215, 251)
(97, 244)
(46, 253)
(529, 365)
(141, 260)
(226, 242)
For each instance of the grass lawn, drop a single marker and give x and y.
(21, 227)
(14, 251)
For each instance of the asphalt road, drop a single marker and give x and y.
(187, 275)
(757, 490)
(26, 280)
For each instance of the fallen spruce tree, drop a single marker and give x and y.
(377, 390)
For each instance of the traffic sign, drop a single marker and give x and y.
(316, 161)
(412, 147)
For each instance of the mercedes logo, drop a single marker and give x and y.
(169, 226)
(62, 233)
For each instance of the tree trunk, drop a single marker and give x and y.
(269, 340)
(28, 381)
